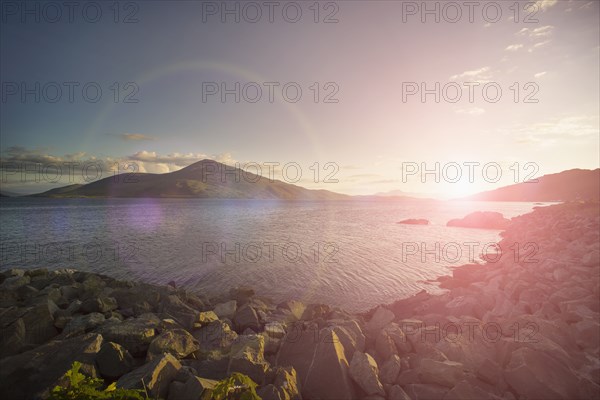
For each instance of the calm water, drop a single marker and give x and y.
(349, 254)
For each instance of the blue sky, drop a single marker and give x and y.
(365, 58)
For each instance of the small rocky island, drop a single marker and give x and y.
(525, 326)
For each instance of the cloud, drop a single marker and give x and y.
(482, 74)
(470, 111)
(542, 31)
(135, 137)
(545, 4)
(514, 47)
(540, 74)
(538, 45)
(569, 128)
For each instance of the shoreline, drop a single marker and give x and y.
(499, 331)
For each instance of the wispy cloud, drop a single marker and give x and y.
(556, 130)
(514, 47)
(135, 137)
(483, 74)
(542, 31)
(545, 4)
(539, 74)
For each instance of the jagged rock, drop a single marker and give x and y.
(12, 338)
(364, 371)
(99, 304)
(390, 370)
(174, 308)
(14, 282)
(286, 381)
(113, 360)
(168, 324)
(321, 364)
(443, 373)
(33, 373)
(397, 335)
(193, 388)
(134, 334)
(420, 391)
(83, 323)
(315, 311)
(206, 317)
(269, 392)
(275, 330)
(241, 294)
(154, 376)
(465, 391)
(215, 337)
(481, 219)
(397, 393)
(380, 318)
(245, 317)
(534, 374)
(328, 376)
(489, 371)
(178, 342)
(384, 345)
(39, 322)
(296, 308)
(247, 357)
(226, 310)
(74, 307)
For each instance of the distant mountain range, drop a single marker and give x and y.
(203, 179)
(211, 179)
(574, 184)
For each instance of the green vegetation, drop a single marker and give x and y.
(82, 387)
(236, 387)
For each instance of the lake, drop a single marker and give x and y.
(351, 254)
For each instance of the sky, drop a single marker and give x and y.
(359, 97)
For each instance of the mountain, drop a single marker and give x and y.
(575, 184)
(400, 193)
(203, 179)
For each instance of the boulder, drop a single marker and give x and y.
(177, 342)
(99, 304)
(155, 376)
(12, 338)
(443, 373)
(241, 294)
(246, 317)
(328, 376)
(174, 308)
(226, 310)
(134, 334)
(465, 391)
(319, 361)
(295, 308)
(390, 370)
(364, 371)
(247, 357)
(195, 388)
(421, 391)
(534, 374)
(397, 393)
(34, 373)
(215, 338)
(384, 345)
(481, 219)
(113, 361)
(206, 317)
(380, 318)
(82, 324)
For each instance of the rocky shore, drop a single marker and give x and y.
(525, 325)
